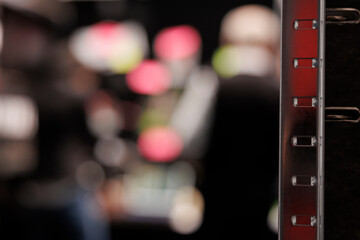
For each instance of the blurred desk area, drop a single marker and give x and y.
(138, 118)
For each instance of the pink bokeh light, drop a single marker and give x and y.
(103, 36)
(177, 42)
(149, 78)
(160, 144)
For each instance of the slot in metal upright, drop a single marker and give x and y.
(302, 120)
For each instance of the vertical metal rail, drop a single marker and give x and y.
(301, 120)
(321, 122)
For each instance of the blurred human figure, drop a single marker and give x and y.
(241, 161)
(249, 43)
(251, 24)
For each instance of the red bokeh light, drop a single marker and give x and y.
(103, 36)
(177, 42)
(160, 144)
(149, 78)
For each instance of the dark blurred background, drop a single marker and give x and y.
(147, 118)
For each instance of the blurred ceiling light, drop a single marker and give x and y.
(104, 118)
(112, 152)
(179, 47)
(231, 60)
(251, 24)
(160, 144)
(18, 117)
(109, 46)
(150, 78)
(272, 218)
(132, 51)
(53, 10)
(186, 214)
(138, 34)
(90, 175)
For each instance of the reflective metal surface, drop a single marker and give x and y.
(301, 120)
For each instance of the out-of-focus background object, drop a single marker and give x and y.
(127, 119)
(109, 46)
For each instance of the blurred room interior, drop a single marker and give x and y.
(139, 118)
